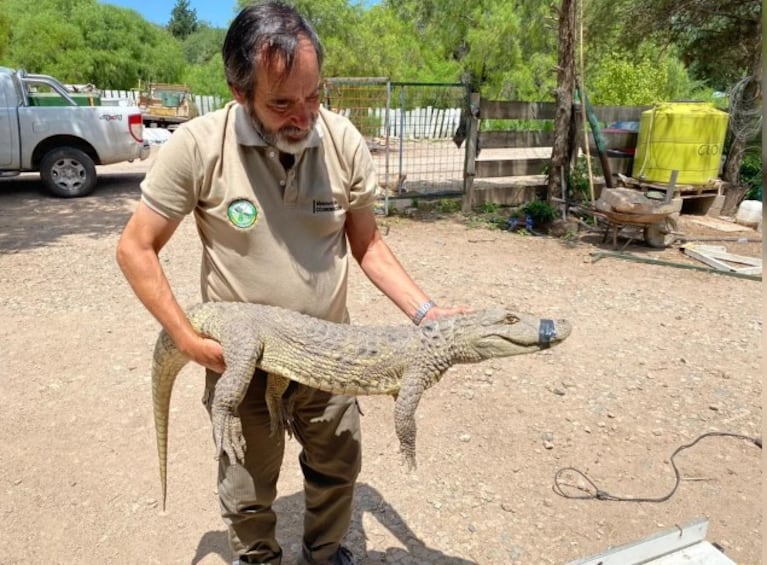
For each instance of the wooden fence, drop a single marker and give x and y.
(508, 156)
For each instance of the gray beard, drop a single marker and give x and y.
(279, 139)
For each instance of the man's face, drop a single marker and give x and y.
(285, 107)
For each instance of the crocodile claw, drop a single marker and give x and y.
(227, 431)
(408, 457)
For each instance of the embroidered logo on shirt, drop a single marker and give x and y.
(242, 213)
(325, 206)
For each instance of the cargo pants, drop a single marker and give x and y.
(328, 428)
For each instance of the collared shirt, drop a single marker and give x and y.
(269, 235)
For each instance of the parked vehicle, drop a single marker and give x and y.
(167, 105)
(44, 129)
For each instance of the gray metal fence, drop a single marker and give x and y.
(411, 129)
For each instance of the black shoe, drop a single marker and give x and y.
(342, 556)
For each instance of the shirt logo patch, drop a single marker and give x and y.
(242, 213)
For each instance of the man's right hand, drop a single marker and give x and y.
(206, 352)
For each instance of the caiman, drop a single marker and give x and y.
(402, 361)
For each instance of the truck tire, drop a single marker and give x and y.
(68, 172)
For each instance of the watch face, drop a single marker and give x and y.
(242, 213)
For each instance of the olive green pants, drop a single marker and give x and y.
(328, 428)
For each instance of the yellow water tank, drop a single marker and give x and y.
(683, 136)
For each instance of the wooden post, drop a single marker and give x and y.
(470, 165)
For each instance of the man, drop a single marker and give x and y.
(281, 191)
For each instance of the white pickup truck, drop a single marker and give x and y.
(44, 129)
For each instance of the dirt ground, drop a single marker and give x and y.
(658, 356)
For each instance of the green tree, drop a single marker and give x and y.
(384, 45)
(84, 41)
(183, 20)
(641, 78)
(208, 78)
(506, 49)
(719, 42)
(203, 45)
(5, 30)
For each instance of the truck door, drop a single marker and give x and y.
(9, 132)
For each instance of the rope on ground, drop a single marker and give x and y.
(595, 493)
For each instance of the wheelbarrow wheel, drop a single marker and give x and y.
(661, 235)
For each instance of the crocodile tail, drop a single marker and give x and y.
(167, 363)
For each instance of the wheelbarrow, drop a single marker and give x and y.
(658, 230)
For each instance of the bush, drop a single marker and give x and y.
(751, 175)
(542, 213)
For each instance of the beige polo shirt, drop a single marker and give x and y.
(269, 236)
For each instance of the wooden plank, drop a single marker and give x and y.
(511, 110)
(497, 139)
(511, 167)
(720, 252)
(720, 225)
(716, 257)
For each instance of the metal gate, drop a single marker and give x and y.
(413, 130)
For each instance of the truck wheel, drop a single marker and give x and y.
(68, 172)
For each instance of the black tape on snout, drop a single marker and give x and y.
(547, 331)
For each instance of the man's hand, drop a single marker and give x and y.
(439, 311)
(206, 352)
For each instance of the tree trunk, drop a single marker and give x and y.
(563, 138)
(733, 195)
(748, 100)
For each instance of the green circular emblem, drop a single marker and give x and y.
(242, 213)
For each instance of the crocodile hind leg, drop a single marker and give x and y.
(276, 386)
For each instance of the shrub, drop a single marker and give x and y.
(541, 212)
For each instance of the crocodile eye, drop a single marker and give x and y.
(511, 319)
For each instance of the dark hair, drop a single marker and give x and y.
(268, 32)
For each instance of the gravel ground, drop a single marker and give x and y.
(658, 356)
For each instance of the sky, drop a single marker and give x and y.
(217, 13)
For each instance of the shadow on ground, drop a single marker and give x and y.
(31, 218)
(367, 501)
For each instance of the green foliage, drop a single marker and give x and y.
(448, 206)
(208, 78)
(5, 32)
(489, 208)
(751, 175)
(204, 71)
(84, 41)
(507, 49)
(720, 42)
(540, 211)
(517, 125)
(578, 180)
(203, 45)
(631, 79)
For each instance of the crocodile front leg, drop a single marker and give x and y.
(411, 388)
(230, 391)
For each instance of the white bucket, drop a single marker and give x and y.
(749, 213)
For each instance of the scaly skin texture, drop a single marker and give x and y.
(402, 361)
